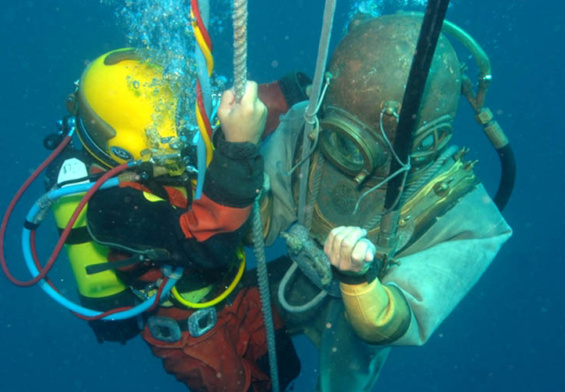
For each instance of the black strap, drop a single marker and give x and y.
(293, 87)
(78, 235)
(353, 279)
(101, 267)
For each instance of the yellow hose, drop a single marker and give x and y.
(219, 298)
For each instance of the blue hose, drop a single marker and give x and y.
(26, 234)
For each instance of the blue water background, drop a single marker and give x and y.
(508, 333)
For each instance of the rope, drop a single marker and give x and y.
(263, 279)
(240, 80)
(314, 104)
(239, 47)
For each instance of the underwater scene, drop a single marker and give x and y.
(389, 266)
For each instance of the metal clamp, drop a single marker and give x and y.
(202, 321)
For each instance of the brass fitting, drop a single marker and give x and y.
(496, 135)
(484, 116)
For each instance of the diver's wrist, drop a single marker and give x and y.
(367, 275)
(235, 150)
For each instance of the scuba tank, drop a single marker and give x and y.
(100, 291)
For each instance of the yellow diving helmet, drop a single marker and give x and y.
(370, 68)
(125, 110)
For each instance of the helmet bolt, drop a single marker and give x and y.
(391, 108)
(441, 189)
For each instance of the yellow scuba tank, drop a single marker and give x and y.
(99, 291)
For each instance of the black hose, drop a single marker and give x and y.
(419, 70)
(507, 176)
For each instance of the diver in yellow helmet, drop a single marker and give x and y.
(354, 293)
(128, 238)
(126, 110)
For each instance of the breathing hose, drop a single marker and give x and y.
(36, 215)
(4, 226)
(484, 116)
(200, 11)
(507, 176)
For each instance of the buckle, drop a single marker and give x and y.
(202, 321)
(164, 329)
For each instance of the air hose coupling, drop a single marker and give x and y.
(491, 128)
